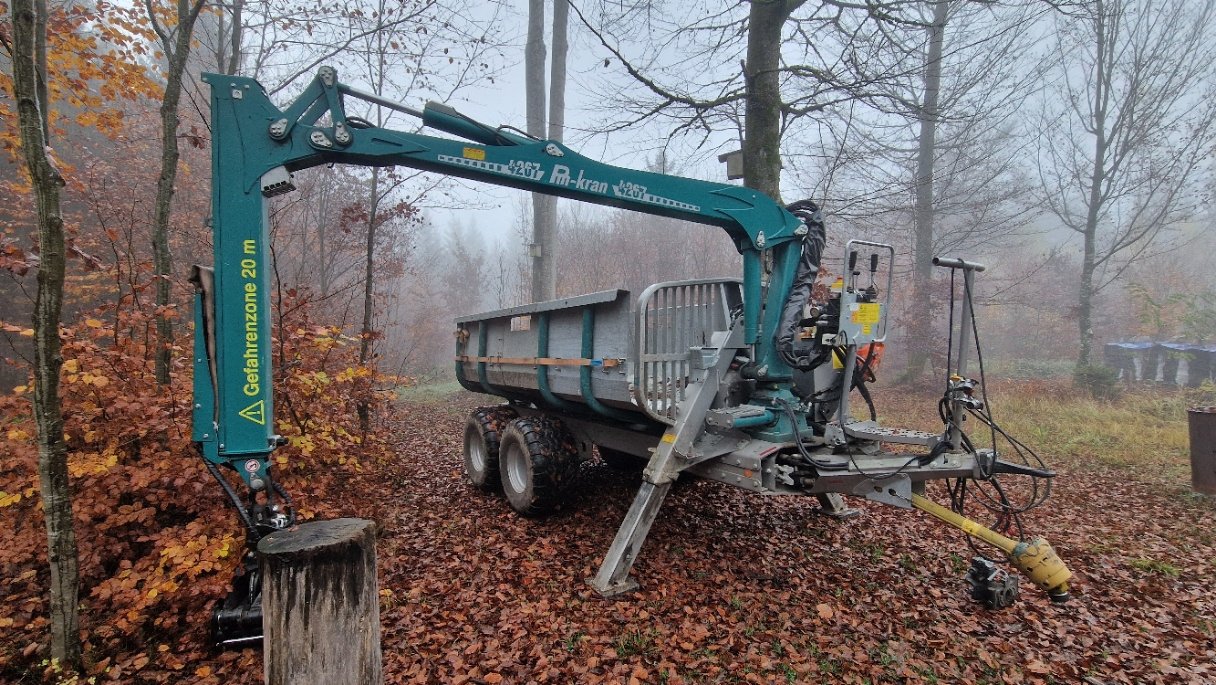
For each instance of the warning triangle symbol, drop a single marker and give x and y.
(255, 412)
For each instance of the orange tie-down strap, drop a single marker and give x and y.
(539, 361)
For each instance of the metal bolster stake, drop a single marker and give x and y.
(462, 349)
(584, 374)
(542, 369)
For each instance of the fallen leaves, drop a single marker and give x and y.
(738, 588)
(735, 588)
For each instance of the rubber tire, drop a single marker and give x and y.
(620, 461)
(537, 460)
(482, 436)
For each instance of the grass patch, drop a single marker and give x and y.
(1139, 429)
(429, 392)
(635, 643)
(1143, 430)
(570, 642)
(1153, 566)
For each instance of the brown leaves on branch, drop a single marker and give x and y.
(158, 541)
(96, 59)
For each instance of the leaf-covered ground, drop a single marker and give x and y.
(740, 588)
(736, 587)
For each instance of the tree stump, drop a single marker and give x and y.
(320, 604)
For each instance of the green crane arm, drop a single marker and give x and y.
(256, 146)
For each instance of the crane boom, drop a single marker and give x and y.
(256, 146)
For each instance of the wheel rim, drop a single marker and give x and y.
(517, 468)
(476, 450)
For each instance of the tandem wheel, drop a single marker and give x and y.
(482, 435)
(537, 461)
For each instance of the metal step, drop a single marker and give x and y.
(869, 430)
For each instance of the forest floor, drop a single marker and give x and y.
(743, 588)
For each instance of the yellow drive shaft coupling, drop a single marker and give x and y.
(1043, 566)
(1035, 558)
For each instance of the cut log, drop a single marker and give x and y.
(320, 604)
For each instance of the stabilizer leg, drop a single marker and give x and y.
(670, 457)
(832, 504)
(613, 577)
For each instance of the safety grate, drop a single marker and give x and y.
(673, 318)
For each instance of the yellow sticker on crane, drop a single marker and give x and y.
(255, 412)
(869, 312)
(668, 437)
(474, 153)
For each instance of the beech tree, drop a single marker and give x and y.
(175, 41)
(1126, 134)
(30, 91)
(940, 158)
(798, 62)
(544, 207)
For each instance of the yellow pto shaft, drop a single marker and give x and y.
(1035, 558)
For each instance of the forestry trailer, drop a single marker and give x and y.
(744, 381)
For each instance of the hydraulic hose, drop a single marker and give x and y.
(251, 529)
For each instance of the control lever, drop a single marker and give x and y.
(872, 291)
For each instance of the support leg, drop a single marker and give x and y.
(832, 504)
(613, 577)
(664, 467)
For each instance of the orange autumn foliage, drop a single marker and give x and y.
(96, 58)
(158, 540)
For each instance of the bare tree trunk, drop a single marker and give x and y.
(176, 44)
(29, 32)
(557, 73)
(1101, 96)
(1125, 149)
(238, 25)
(920, 334)
(544, 207)
(322, 251)
(762, 127)
(363, 408)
